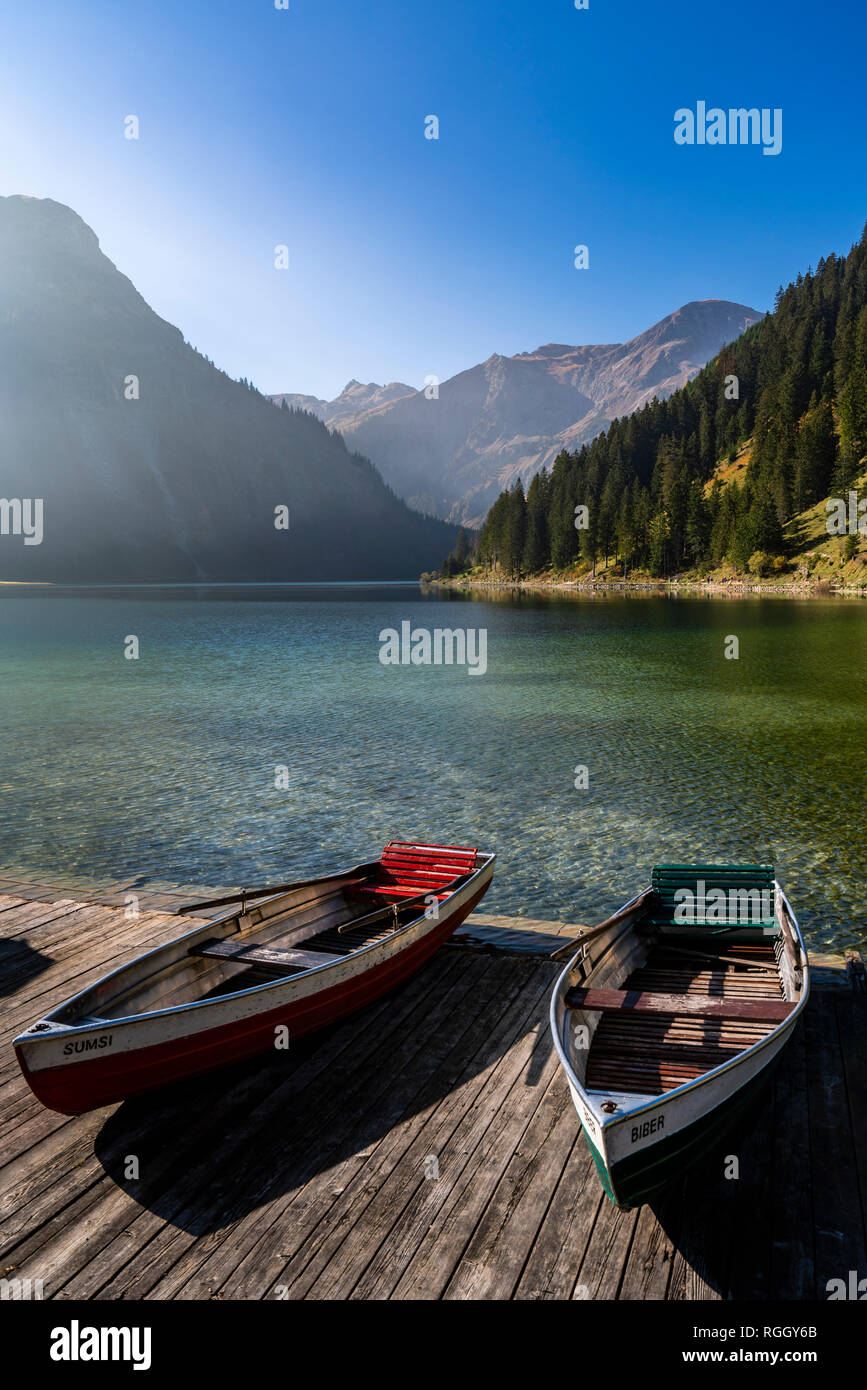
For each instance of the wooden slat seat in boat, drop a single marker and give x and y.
(446, 855)
(704, 1006)
(749, 889)
(406, 870)
(418, 869)
(273, 957)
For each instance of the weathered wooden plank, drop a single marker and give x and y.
(648, 1267)
(20, 915)
(338, 1204)
(488, 1152)
(75, 922)
(792, 1273)
(374, 1254)
(699, 1265)
(275, 957)
(840, 1243)
(600, 1273)
(562, 1239)
(500, 1245)
(689, 1005)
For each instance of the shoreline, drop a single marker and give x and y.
(669, 588)
(665, 588)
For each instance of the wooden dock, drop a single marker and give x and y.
(425, 1149)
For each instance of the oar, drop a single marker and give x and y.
(588, 933)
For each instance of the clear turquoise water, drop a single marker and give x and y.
(163, 768)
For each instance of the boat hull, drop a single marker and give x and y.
(145, 1053)
(639, 1151)
(634, 1179)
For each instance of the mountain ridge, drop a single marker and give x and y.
(510, 416)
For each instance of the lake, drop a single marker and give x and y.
(164, 767)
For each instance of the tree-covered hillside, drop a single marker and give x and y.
(795, 385)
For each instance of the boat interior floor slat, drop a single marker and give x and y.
(646, 1055)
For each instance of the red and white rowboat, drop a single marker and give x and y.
(294, 959)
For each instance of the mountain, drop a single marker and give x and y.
(785, 406)
(182, 482)
(353, 401)
(511, 416)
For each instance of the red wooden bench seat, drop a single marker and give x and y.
(409, 869)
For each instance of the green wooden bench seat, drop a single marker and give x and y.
(748, 904)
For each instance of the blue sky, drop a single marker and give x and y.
(409, 256)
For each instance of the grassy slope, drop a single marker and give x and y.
(812, 547)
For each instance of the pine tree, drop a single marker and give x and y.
(537, 554)
(514, 531)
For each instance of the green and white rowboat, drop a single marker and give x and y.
(669, 1016)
